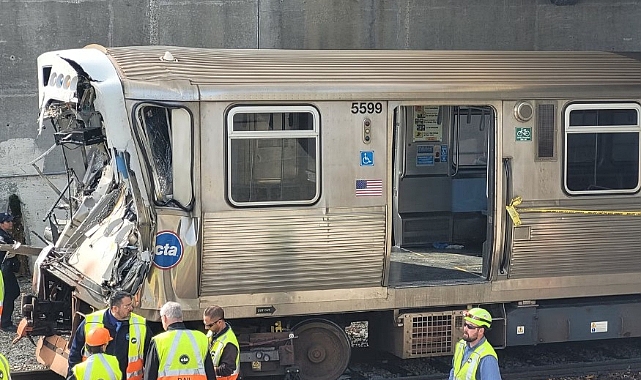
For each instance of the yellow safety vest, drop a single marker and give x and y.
(137, 334)
(216, 350)
(467, 370)
(5, 373)
(1, 293)
(98, 366)
(181, 355)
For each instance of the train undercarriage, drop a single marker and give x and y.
(319, 348)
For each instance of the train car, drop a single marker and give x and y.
(305, 190)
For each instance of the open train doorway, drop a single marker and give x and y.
(443, 189)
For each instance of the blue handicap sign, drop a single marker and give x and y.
(367, 158)
(443, 153)
(169, 250)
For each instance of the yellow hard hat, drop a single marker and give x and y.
(479, 317)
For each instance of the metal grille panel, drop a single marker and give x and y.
(545, 131)
(433, 334)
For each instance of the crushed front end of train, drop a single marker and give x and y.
(102, 233)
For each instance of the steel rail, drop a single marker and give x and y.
(45, 374)
(544, 372)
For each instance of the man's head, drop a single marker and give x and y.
(6, 221)
(214, 319)
(97, 340)
(477, 321)
(121, 305)
(171, 312)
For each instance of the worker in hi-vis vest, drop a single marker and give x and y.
(98, 364)
(128, 330)
(5, 373)
(178, 353)
(223, 344)
(474, 356)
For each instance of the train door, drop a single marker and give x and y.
(443, 185)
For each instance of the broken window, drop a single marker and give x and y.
(157, 145)
(162, 129)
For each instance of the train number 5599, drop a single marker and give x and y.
(367, 107)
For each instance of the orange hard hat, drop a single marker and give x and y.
(97, 337)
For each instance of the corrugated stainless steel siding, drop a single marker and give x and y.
(375, 68)
(576, 244)
(266, 251)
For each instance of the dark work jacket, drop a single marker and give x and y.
(152, 362)
(5, 238)
(227, 364)
(9, 268)
(118, 347)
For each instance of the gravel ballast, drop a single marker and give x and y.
(22, 355)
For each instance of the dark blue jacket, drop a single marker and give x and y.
(118, 347)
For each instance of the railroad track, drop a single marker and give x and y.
(524, 373)
(537, 373)
(36, 375)
(547, 362)
(574, 369)
(526, 365)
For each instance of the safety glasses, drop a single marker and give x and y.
(209, 325)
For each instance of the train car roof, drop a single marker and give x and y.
(267, 74)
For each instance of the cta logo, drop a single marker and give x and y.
(169, 250)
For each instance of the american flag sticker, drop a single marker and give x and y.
(369, 187)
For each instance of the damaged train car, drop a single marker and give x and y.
(305, 190)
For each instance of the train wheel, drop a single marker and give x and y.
(322, 350)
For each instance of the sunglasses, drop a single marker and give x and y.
(470, 326)
(209, 325)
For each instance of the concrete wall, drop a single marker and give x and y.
(30, 27)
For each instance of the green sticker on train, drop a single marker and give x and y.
(523, 134)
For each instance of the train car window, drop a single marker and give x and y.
(158, 140)
(602, 148)
(272, 155)
(472, 124)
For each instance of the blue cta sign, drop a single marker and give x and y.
(169, 250)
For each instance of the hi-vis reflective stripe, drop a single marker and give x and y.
(514, 212)
(134, 368)
(135, 351)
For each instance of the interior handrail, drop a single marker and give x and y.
(455, 143)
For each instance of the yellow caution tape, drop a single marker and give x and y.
(514, 212)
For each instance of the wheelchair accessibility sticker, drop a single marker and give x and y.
(367, 158)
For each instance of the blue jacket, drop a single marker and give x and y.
(118, 347)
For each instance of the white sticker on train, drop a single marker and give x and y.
(599, 327)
